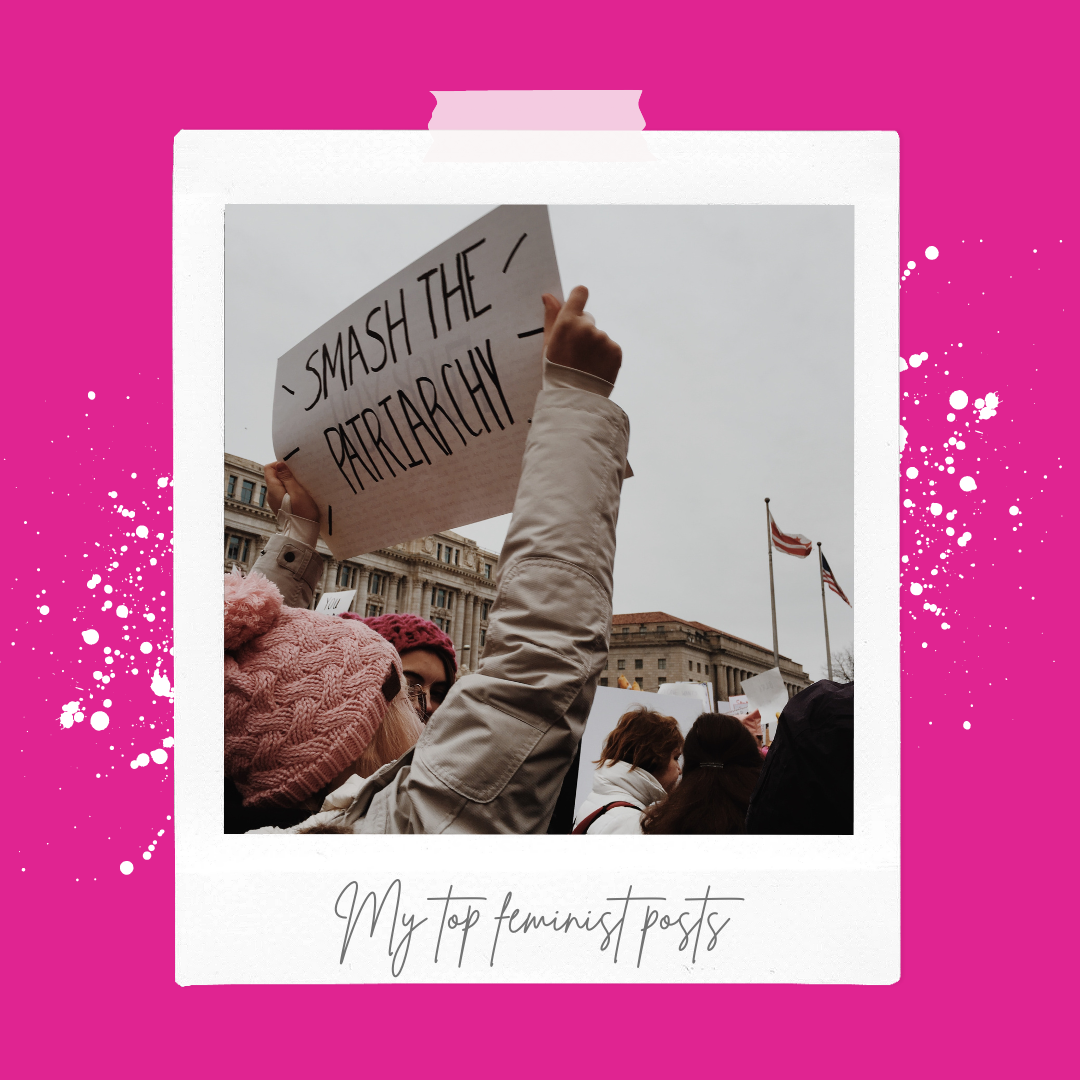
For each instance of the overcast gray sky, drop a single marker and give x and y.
(737, 331)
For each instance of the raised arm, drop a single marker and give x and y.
(494, 757)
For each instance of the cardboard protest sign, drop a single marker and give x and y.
(407, 413)
(333, 602)
(767, 693)
(740, 703)
(609, 704)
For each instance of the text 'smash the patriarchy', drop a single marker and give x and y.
(407, 413)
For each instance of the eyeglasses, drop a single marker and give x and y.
(418, 699)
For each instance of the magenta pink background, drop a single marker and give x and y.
(93, 97)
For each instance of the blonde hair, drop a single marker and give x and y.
(396, 735)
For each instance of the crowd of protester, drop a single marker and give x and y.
(351, 724)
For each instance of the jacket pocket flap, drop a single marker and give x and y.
(477, 760)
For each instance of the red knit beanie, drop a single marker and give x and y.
(407, 632)
(304, 693)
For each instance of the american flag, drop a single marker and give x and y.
(827, 575)
(796, 545)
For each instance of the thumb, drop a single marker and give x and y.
(576, 301)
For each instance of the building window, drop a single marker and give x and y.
(483, 637)
(662, 679)
(234, 548)
(690, 664)
(662, 663)
(247, 548)
(231, 490)
(638, 665)
(621, 665)
(441, 601)
(262, 495)
(641, 629)
(247, 490)
(374, 584)
(438, 554)
(485, 607)
(457, 556)
(699, 667)
(487, 570)
(374, 609)
(626, 629)
(603, 682)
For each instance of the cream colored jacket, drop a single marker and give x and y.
(493, 758)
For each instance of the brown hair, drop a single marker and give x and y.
(644, 739)
(721, 763)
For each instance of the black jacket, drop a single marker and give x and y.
(808, 782)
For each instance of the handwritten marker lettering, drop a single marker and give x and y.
(412, 421)
(514, 252)
(290, 454)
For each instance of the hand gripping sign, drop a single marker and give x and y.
(407, 413)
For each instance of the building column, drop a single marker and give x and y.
(425, 599)
(328, 565)
(416, 594)
(464, 654)
(359, 604)
(457, 616)
(474, 637)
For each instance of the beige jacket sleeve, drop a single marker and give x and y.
(493, 757)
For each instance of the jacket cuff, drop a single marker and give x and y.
(294, 567)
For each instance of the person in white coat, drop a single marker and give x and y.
(638, 766)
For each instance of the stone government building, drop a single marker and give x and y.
(449, 579)
(446, 577)
(654, 647)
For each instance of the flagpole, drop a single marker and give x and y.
(824, 610)
(772, 587)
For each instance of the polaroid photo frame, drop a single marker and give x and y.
(323, 909)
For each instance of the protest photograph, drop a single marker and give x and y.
(539, 519)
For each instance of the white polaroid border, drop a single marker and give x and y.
(326, 909)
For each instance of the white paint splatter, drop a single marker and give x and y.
(149, 616)
(94, 582)
(142, 532)
(936, 508)
(967, 725)
(90, 637)
(912, 473)
(945, 626)
(122, 612)
(932, 253)
(71, 714)
(146, 647)
(967, 483)
(916, 589)
(160, 684)
(44, 609)
(963, 540)
(1014, 510)
(162, 481)
(903, 438)
(99, 721)
(126, 867)
(917, 358)
(159, 756)
(958, 399)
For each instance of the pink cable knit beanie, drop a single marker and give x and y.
(305, 693)
(406, 632)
